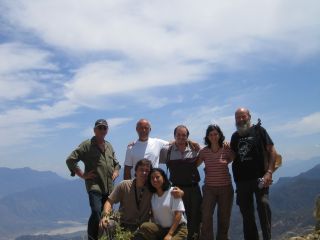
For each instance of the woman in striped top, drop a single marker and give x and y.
(217, 188)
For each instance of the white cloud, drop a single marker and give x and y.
(128, 46)
(96, 80)
(12, 88)
(66, 125)
(161, 43)
(20, 134)
(155, 102)
(115, 122)
(307, 125)
(45, 112)
(22, 125)
(163, 28)
(112, 122)
(198, 119)
(18, 64)
(17, 57)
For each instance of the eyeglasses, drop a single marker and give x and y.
(104, 128)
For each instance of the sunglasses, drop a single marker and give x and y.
(104, 128)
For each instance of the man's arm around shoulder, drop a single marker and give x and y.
(127, 172)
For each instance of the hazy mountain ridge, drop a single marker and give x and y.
(37, 207)
(292, 201)
(21, 179)
(295, 167)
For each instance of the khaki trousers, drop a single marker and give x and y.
(212, 196)
(152, 231)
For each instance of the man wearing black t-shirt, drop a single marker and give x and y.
(249, 144)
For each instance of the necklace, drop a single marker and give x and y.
(138, 198)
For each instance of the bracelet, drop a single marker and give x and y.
(269, 171)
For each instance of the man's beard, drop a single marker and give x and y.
(243, 127)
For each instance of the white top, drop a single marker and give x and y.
(163, 208)
(149, 149)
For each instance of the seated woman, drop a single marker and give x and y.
(168, 220)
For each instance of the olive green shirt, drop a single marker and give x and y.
(102, 163)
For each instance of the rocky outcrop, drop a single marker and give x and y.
(311, 236)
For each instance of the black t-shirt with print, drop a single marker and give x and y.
(249, 160)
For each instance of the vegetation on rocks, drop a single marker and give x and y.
(116, 232)
(311, 236)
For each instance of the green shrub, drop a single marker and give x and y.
(119, 233)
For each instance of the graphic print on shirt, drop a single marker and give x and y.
(245, 145)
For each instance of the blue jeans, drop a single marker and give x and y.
(97, 201)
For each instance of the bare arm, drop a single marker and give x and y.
(176, 221)
(127, 172)
(107, 208)
(198, 161)
(226, 144)
(115, 174)
(272, 156)
(177, 192)
(194, 145)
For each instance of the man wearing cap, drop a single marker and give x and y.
(101, 168)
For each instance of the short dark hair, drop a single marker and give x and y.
(181, 126)
(166, 183)
(143, 162)
(210, 128)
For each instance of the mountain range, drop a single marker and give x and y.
(35, 202)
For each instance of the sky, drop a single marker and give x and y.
(65, 64)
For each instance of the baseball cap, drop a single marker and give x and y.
(101, 122)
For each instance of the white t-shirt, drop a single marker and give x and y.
(149, 149)
(163, 208)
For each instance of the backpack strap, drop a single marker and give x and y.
(168, 157)
(278, 157)
(262, 141)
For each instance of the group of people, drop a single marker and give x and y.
(159, 204)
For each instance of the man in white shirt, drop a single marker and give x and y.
(144, 147)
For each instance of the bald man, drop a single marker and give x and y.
(144, 147)
(250, 143)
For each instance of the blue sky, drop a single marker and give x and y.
(64, 64)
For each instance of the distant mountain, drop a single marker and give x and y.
(48, 237)
(293, 201)
(21, 179)
(37, 201)
(44, 207)
(291, 168)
